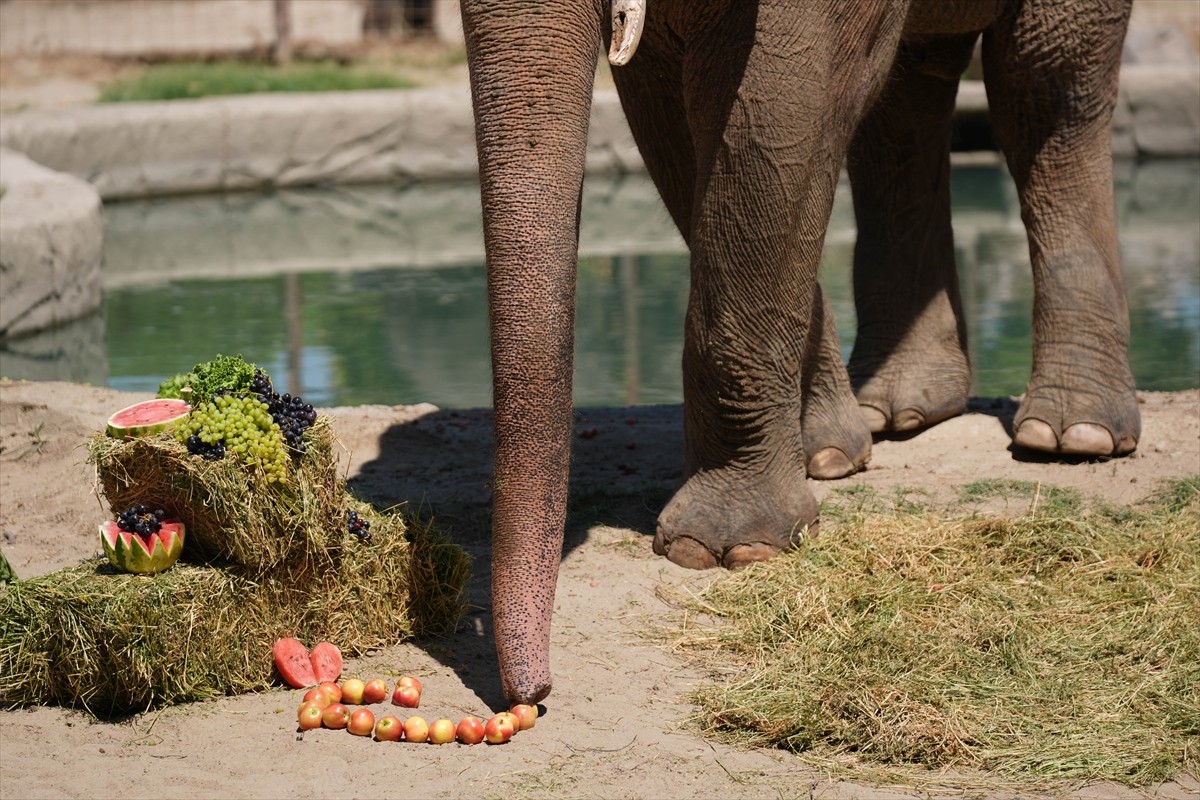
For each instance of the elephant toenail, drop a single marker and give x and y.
(1087, 439)
(1036, 435)
(687, 552)
(875, 420)
(743, 555)
(908, 419)
(830, 463)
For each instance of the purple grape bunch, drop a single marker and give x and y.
(358, 526)
(140, 519)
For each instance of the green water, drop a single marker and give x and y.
(376, 294)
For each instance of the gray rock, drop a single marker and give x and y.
(1159, 44)
(51, 245)
(1164, 103)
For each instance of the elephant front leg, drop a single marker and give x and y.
(1051, 73)
(769, 142)
(909, 367)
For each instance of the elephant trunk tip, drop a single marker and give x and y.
(529, 692)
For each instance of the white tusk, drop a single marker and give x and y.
(628, 18)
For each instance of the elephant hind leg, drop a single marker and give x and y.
(909, 367)
(1051, 73)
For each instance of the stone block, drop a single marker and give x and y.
(1164, 103)
(51, 246)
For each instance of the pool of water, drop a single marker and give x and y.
(355, 295)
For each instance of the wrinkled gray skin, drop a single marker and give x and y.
(745, 112)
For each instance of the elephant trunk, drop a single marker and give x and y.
(532, 71)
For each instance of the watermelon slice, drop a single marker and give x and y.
(147, 418)
(326, 662)
(293, 663)
(129, 552)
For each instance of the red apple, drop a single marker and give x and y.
(513, 719)
(309, 716)
(332, 690)
(470, 730)
(442, 731)
(406, 696)
(526, 714)
(319, 697)
(389, 729)
(374, 691)
(498, 729)
(362, 722)
(416, 729)
(336, 716)
(409, 680)
(352, 691)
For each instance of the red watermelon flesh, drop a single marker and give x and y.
(326, 661)
(293, 662)
(147, 418)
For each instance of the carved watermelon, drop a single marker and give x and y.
(130, 552)
(147, 418)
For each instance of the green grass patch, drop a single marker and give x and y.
(1056, 646)
(185, 80)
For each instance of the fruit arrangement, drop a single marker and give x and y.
(251, 473)
(328, 704)
(262, 559)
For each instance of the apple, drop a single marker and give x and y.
(336, 716)
(526, 714)
(513, 719)
(362, 722)
(332, 690)
(499, 729)
(319, 697)
(416, 729)
(352, 691)
(406, 696)
(442, 731)
(470, 730)
(389, 729)
(409, 680)
(309, 716)
(374, 691)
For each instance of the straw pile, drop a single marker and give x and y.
(1059, 645)
(260, 562)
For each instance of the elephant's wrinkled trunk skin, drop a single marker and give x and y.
(532, 70)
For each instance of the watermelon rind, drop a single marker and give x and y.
(128, 552)
(147, 417)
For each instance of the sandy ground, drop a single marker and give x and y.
(615, 724)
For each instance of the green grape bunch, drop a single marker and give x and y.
(239, 425)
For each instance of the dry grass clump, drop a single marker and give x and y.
(1053, 646)
(260, 562)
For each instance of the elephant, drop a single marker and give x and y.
(745, 112)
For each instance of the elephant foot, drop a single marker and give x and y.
(908, 391)
(726, 517)
(1086, 438)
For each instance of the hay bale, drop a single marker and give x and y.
(116, 643)
(260, 561)
(231, 513)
